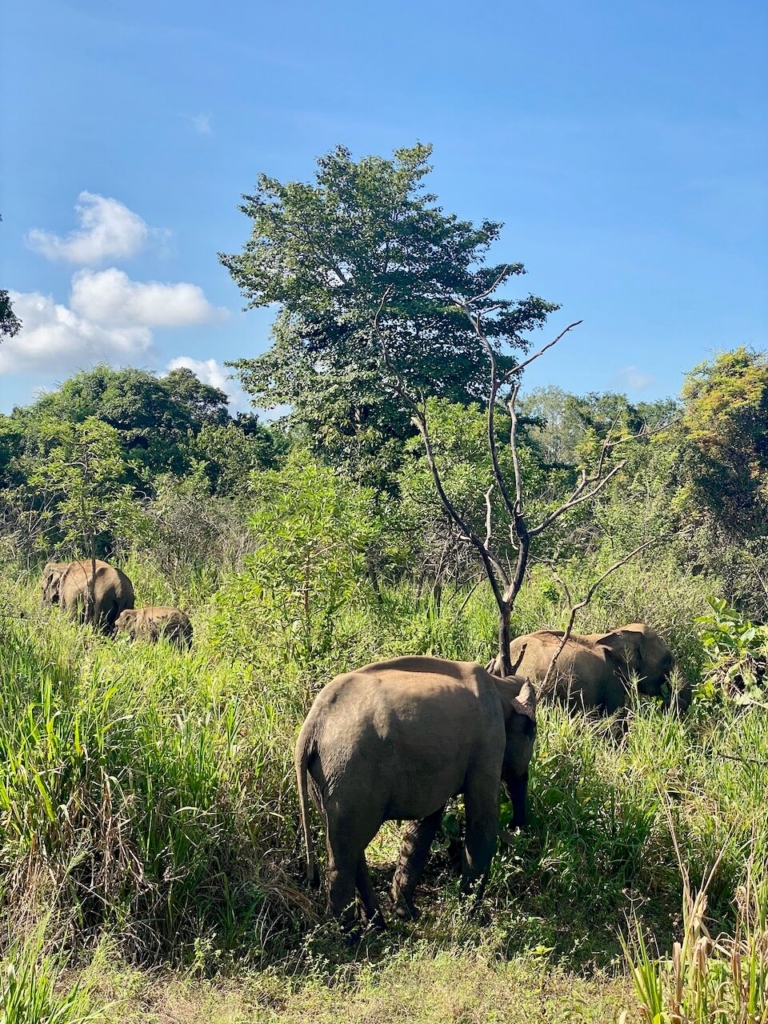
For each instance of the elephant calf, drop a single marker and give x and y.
(397, 740)
(69, 585)
(154, 622)
(596, 670)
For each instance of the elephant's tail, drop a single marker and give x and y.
(302, 760)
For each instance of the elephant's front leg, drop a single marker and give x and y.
(414, 852)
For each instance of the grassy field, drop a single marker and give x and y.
(150, 857)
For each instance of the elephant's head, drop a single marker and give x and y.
(126, 621)
(519, 701)
(641, 653)
(51, 581)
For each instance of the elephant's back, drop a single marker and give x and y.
(412, 734)
(532, 656)
(419, 714)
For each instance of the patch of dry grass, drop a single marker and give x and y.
(459, 987)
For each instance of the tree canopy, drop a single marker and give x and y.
(364, 255)
(726, 427)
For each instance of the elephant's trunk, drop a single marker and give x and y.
(679, 700)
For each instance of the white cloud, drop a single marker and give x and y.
(109, 318)
(108, 230)
(211, 372)
(111, 297)
(203, 124)
(633, 379)
(54, 339)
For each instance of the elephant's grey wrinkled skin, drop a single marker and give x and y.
(397, 740)
(66, 585)
(595, 671)
(153, 622)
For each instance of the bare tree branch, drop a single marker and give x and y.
(490, 561)
(488, 516)
(536, 355)
(577, 497)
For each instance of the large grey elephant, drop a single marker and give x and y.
(66, 585)
(596, 670)
(156, 621)
(397, 740)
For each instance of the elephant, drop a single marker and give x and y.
(66, 585)
(595, 671)
(154, 622)
(396, 740)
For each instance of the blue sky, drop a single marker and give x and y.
(625, 146)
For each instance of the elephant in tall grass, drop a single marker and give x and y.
(66, 585)
(596, 671)
(397, 740)
(153, 622)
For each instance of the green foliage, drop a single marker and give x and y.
(128, 792)
(230, 453)
(154, 417)
(163, 425)
(84, 469)
(459, 441)
(704, 981)
(313, 531)
(10, 325)
(726, 425)
(31, 988)
(361, 254)
(737, 653)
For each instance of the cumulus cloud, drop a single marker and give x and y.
(108, 230)
(54, 339)
(211, 372)
(111, 297)
(633, 379)
(109, 318)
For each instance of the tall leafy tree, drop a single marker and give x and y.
(726, 428)
(360, 257)
(86, 468)
(156, 418)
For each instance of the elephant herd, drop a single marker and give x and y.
(398, 739)
(99, 593)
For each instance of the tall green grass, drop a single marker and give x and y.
(32, 988)
(150, 793)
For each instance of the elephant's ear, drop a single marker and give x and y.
(525, 702)
(624, 645)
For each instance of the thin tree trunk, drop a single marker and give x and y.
(505, 638)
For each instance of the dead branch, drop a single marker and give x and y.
(536, 355)
(488, 516)
(419, 418)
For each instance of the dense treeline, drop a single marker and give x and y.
(168, 457)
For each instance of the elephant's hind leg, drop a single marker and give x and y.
(371, 913)
(414, 852)
(481, 804)
(347, 838)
